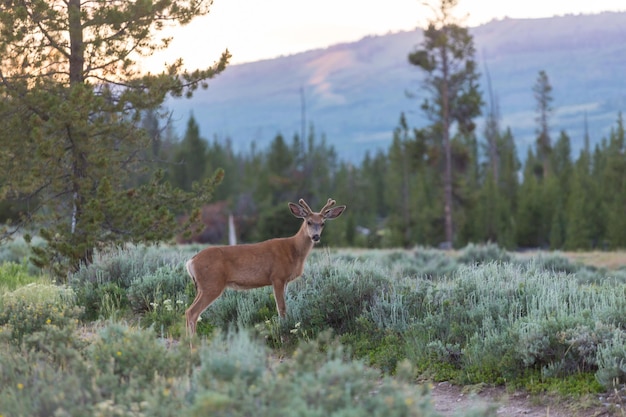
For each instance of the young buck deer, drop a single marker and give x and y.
(274, 262)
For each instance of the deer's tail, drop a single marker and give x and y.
(189, 267)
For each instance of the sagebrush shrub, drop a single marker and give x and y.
(474, 254)
(611, 359)
(123, 265)
(553, 262)
(318, 379)
(166, 282)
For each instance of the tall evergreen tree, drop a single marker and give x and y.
(73, 96)
(529, 230)
(542, 91)
(614, 187)
(190, 158)
(493, 217)
(579, 212)
(557, 195)
(447, 57)
(399, 187)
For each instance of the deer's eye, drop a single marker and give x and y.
(308, 222)
(322, 224)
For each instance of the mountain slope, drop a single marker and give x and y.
(354, 93)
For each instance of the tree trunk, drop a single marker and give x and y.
(447, 147)
(75, 136)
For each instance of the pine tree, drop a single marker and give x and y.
(558, 195)
(190, 158)
(447, 57)
(73, 96)
(543, 95)
(529, 230)
(614, 187)
(399, 188)
(579, 209)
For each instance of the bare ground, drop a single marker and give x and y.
(451, 400)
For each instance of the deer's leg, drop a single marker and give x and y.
(279, 296)
(200, 303)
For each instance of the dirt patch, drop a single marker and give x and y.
(451, 400)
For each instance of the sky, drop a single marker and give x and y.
(254, 30)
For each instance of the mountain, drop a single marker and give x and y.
(354, 93)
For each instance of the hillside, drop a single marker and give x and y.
(355, 92)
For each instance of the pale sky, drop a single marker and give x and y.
(253, 30)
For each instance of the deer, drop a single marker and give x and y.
(274, 262)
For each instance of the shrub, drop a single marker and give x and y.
(166, 282)
(318, 379)
(241, 309)
(419, 262)
(32, 307)
(611, 359)
(481, 254)
(379, 347)
(123, 265)
(553, 262)
(124, 372)
(14, 275)
(130, 277)
(333, 295)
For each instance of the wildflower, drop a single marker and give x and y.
(20, 386)
(48, 321)
(118, 353)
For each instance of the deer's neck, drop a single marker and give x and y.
(303, 242)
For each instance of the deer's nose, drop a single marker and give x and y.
(316, 238)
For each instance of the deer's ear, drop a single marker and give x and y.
(298, 211)
(334, 212)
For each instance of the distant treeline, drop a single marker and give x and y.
(552, 200)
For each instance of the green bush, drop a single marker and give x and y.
(379, 347)
(32, 307)
(102, 300)
(14, 275)
(123, 372)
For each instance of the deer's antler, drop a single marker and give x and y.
(328, 205)
(305, 205)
